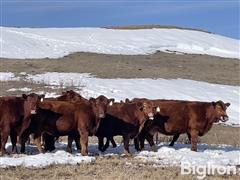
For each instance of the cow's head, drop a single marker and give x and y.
(100, 105)
(70, 96)
(31, 102)
(220, 109)
(147, 107)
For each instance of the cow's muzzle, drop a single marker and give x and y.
(101, 115)
(33, 112)
(150, 116)
(224, 118)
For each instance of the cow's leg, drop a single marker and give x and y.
(136, 143)
(70, 140)
(100, 143)
(194, 139)
(106, 145)
(141, 141)
(23, 139)
(13, 137)
(28, 141)
(4, 138)
(84, 143)
(149, 138)
(37, 141)
(189, 137)
(175, 138)
(69, 146)
(157, 138)
(4, 141)
(113, 142)
(48, 142)
(126, 140)
(77, 142)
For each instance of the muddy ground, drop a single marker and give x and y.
(159, 65)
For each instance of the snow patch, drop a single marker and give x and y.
(42, 160)
(25, 89)
(57, 42)
(215, 155)
(178, 89)
(8, 76)
(179, 154)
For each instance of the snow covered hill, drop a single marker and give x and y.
(56, 42)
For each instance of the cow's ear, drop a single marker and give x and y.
(111, 103)
(127, 100)
(214, 103)
(227, 104)
(111, 100)
(92, 100)
(24, 96)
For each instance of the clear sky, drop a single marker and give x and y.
(218, 16)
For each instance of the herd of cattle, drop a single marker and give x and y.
(76, 117)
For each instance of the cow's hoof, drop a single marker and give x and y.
(5, 154)
(194, 149)
(154, 149)
(126, 153)
(42, 152)
(101, 149)
(104, 149)
(84, 153)
(114, 145)
(69, 150)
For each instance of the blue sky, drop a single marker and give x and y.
(221, 17)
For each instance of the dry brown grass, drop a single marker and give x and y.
(159, 65)
(117, 168)
(134, 27)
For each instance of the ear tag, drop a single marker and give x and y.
(41, 99)
(111, 103)
(158, 109)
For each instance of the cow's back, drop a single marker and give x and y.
(124, 111)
